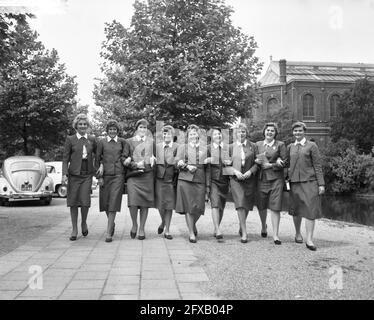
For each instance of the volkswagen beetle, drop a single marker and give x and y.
(25, 178)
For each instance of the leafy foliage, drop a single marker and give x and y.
(346, 170)
(36, 94)
(181, 61)
(355, 116)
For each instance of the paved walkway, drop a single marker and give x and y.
(89, 268)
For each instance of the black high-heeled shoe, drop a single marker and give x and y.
(108, 239)
(299, 241)
(168, 236)
(85, 233)
(243, 240)
(73, 238)
(313, 247)
(219, 236)
(160, 230)
(141, 237)
(132, 235)
(264, 234)
(192, 240)
(277, 242)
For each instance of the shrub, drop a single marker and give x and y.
(347, 171)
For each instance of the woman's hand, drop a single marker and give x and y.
(140, 164)
(267, 165)
(127, 161)
(100, 171)
(227, 162)
(208, 160)
(239, 175)
(152, 160)
(280, 162)
(64, 179)
(321, 190)
(191, 169)
(180, 164)
(247, 175)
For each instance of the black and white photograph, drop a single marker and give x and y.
(205, 151)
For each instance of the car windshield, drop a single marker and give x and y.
(25, 165)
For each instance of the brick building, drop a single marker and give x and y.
(310, 90)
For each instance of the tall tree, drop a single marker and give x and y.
(180, 60)
(36, 94)
(355, 116)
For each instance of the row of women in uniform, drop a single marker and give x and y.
(181, 177)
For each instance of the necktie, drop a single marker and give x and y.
(165, 154)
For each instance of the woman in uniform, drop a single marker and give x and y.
(113, 154)
(140, 185)
(77, 171)
(271, 157)
(191, 188)
(243, 177)
(166, 173)
(218, 179)
(306, 182)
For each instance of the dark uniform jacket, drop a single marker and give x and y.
(72, 156)
(112, 155)
(304, 163)
(192, 156)
(250, 152)
(165, 165)
(278, 150)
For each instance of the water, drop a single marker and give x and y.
(345, 208)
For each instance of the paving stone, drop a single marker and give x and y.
(9, 295)
(191, 277)
(13, 285)
(120, 289)
(159, 294)
(158, 284)
(91, 275)
(86, 294)
(120, 297)
(86, 284)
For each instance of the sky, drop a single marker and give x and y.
(295, 30)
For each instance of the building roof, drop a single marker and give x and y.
(317, 71)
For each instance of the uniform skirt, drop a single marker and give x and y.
(165, 195)
(243, 193)
(270, 194)
(304, 200)
(79, 191)
(140, 191)
(111, 193)
(218, 194)
(190, 198)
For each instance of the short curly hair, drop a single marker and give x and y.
(270, 124)
(79, 117)
(299, 124)
(193, 127)
(241, 126)
(141, 121)
(113, 123)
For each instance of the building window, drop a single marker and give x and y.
(334, 105)
(308, 107)
(272, 105)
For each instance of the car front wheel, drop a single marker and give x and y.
(62, 191)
